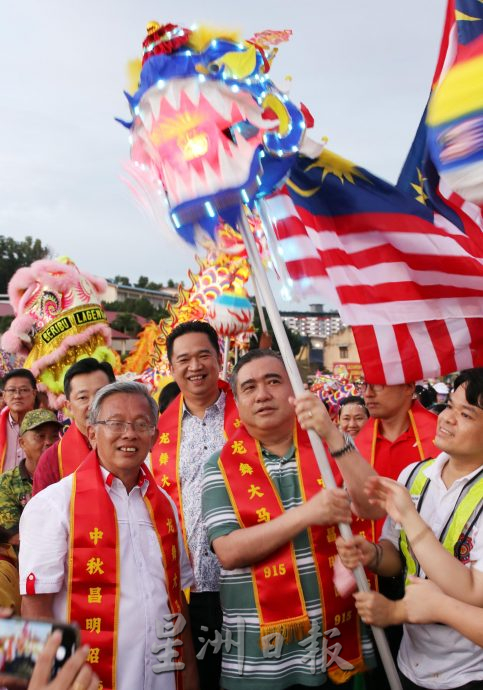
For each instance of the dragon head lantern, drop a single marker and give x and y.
(210, 130)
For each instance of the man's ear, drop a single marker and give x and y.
(91, 435)
(412, 389)
(21, 442)
(155, 438)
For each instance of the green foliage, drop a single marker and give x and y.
(142, 282)
(141, 307)
(120, 280)
(295, 340)
(15, 255)
(126, 323)
(5, 322)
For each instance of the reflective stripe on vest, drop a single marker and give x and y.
(465, 513)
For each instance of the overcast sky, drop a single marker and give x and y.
(362, 68)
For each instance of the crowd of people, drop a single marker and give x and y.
(198, 548)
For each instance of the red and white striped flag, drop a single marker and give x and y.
(407, 280)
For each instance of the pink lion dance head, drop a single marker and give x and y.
(58, 320)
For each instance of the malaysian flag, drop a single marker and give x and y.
(407, 279)
(404, 265)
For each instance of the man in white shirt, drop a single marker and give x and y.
(112, 523)
(435, 526)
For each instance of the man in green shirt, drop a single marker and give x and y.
(38, 431)
(273, 531)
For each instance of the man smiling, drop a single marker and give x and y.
(434, 529)
(102, 547)
(193, 427)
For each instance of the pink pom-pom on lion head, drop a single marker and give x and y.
(58, 318)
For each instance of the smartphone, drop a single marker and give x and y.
(22, 640)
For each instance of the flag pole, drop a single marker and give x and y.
(258, 300)
(226, 355)
(260, 279)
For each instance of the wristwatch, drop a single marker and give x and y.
(346, 448)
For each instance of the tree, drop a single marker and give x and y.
(15, 255)
(126, 323)
(143, 282)
(141, 307)
(121, 280)
(171, 283)
(5, 322)
(295, 340)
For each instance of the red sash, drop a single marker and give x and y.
(165, 454)
(72, 450)
(423, 427)
(94, 570)
(3, 436)
(280, 602)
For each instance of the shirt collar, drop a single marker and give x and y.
(110, 479)
(435, 469)
(12, 422)
(219, 405)
(23, 470)
(289, 455)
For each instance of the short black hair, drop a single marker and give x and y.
(426, 396)
(21, 374)
(472, 380)
(167, 395)
(354, 400)
(192, 327)
(87, 365)
(250, 356)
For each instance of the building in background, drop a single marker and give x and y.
(315, 323)
(158, 298)
(340, 355)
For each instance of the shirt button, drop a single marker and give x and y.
(205, 447)
(204, 423)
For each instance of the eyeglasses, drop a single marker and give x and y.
(117, 427)
(18, 391)
(375, 387)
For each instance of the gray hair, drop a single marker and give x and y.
(129, 387)
(250, 356)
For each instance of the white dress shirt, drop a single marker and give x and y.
(44, 539)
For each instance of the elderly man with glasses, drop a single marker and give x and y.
(19, 391)
(103, 547)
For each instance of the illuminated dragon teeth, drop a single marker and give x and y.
(225, 163)
(153, 99)
(146, 115)
(182, 187)
(244, 147)
(192, 91)
(172, 94)
(218, 102)
(198, 183)
(212, 181)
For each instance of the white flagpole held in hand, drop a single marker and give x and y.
(260, 279)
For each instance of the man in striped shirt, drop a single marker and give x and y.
(273, 534)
